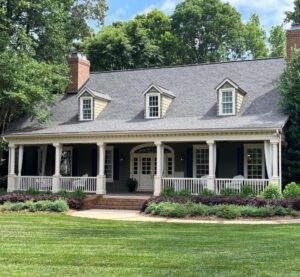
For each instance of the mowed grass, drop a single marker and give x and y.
(59, 245)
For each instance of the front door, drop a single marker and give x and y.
(147, 171)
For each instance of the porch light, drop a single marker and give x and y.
(181, 157)
(122, 158)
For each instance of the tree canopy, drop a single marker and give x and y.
(35, 37)
(198, 31)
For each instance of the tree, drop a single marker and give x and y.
(294, 16)
(255, 38)
(277, 42)
(207, 30)
(289, 88)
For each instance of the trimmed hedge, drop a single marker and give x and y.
(43, 206)
(179, 210)
(73, 202)
(293, 203)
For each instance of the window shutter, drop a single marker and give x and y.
(116, 164)
(94, 162)
(189, 162)
(52, 154)
(35, 162)
(240, 161)
(75, 162)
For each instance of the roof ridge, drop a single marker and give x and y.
(183, 65)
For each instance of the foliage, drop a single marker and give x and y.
(255, 38)
(170, 192)
(207, 192)
(289, 87)
(292, 190)
(293, 203)
(132, 184)
(74, 202)
(277, 41)
(207, 30)
(294, 16)
(228, 192)
(169, 209)
(39, 206)
(247, 191)
(272, 191)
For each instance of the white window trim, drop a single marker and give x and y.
(81, 108)
(147, 104)
(249, 146)
(110, 148)
(221, 102)
(195, 147)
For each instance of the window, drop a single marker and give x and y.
(153, 105)
(86, 108)
(254, 161)
(226, 102)
(66, 161)
(200, 161)
(109, 171)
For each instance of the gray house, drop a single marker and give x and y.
(190, 127)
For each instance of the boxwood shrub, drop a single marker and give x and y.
(43, 205)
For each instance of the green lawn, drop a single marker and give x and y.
(58, 245)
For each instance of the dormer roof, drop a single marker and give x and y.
(232, 84)
(94, 93)
(160, 89)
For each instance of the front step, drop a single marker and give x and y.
(114, 202)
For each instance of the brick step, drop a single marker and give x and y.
(100, 202)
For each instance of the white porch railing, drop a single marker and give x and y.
(86, 184)
(257, 185)
(41, 183)
(194, 185)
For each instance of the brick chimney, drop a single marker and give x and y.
(292, 39)
(79, 71)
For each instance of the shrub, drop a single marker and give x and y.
(44, 205)
(168, 192)
(194, 209)
(207, 192)
(247, 191)
(167, 209)
(184, 192)
(292, 190)
(271, 192)
(228, 192)
(228, 211)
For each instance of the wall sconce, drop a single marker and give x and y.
(122, 158)
(182, 158)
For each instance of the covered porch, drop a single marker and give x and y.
(184, 163)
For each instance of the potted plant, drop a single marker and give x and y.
(132, 184)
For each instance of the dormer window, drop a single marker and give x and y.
(86, 107)
(230, 97)
(91, 103)
(153, 105)
(227, 101)
(157, 101)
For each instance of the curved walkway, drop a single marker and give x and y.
(127, 215)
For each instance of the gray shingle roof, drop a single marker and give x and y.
(195, 105)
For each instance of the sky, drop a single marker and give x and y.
(271, 12)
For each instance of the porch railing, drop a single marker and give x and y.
(86, 184)
(257, 185)
(41, 183)
(194, 185)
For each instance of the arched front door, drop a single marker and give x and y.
(143, 165)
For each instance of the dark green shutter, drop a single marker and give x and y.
(116, 164)
(75, 162)
(189, 162)
(35, 162)
(94, 162)
(240, 161)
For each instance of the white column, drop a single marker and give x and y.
(159, 168)
(11, 174)
(211, 174)
(20, 161)
(101, 178)
(56, 176)
(275, 176)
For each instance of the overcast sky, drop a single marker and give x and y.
(271, 12)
